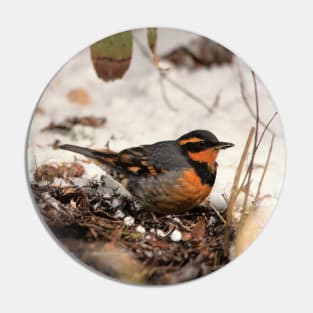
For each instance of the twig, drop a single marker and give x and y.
(257, 147)
(165, 97)
(265, 169)
(212, 206)
(234, 191)
(188, 93)
(246, 101)
(177, 85)
(267, 128)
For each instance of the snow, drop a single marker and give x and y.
(161, 233)
(116, 202)
(140, 229)
(129, 220)
(137, 114)
(176, 235)
(119, 214)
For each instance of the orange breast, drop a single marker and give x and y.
(185, 195)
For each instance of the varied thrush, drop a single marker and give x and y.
(166, 177)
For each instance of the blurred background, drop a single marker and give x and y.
(202, 88)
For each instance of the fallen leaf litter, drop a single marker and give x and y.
(162, 249)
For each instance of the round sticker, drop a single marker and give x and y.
(155, 156)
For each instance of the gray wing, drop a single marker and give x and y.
(166, 155)
(151, 159)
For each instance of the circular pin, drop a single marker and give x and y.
(155, 156)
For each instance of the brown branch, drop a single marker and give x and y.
(234, 191)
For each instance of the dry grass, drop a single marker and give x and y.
(235, 191)
(247, 220)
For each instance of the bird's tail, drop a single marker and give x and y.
(106, 158)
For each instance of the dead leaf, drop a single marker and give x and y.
(198, 231)
(186, 236)
(69, 123)
(66, 170)
(79, 96)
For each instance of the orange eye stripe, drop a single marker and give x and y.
(192, 139)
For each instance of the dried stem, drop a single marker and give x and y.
(250, 167)
(265, 169)
(266, 128)
(257, 142)
(257, 147)
(246, 101)
(234, 191)
(212, 206)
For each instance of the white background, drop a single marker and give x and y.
(274, 38)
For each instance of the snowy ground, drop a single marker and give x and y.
(136, 114)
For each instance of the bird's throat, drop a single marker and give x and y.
(205, 156)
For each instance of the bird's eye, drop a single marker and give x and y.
(202, 143)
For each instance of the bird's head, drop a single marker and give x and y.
(202, 146)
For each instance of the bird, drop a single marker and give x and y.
(166, 177)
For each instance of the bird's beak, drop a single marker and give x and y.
(223, 145)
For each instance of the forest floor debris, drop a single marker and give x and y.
(69, 123)
(64, 170)
(113, 234)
